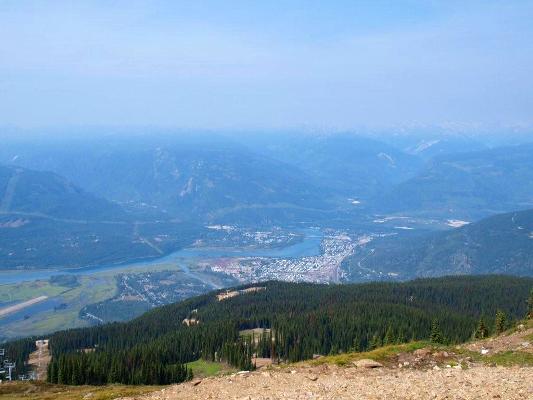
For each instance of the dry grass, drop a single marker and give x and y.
(46, 391)
(381, 354)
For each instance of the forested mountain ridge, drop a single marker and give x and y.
(48, 222)
(357, 166)
(501, 244)
(46, 194)
(184, 176)
(469, 185)
(303, 319)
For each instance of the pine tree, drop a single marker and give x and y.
(530, 305)
(401, 337)
(375, 342)
(436, 334)
(389, 336)
(500, 322)
(481, 331)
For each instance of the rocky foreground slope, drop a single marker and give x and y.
(333, 382)
(466, 372)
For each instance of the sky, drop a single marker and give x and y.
(266, 64)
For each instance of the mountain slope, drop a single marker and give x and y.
(500, 244)
(356, 166)
(300, 320)
(469, 185)
(47, 222)
(187, 176)
(25, 191)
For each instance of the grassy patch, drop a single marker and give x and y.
(92, 289)
(201, 368)
(19, 292)
(504, 359)
(510, 358)
(380, 354)
(45, 391)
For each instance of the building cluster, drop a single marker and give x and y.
(322, 268)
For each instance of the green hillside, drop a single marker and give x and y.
(502, 244)
(469, 185)
(304, 319)
(47, 222)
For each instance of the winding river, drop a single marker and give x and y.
(309, 246)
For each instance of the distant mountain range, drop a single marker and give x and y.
(264, 178)
(354, 166)
(469, 185)
(107, 199)
(50, 195)
(47, 222)
(501, 244)
(185, 177)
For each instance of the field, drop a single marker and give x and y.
(155, 284)
(70, 298)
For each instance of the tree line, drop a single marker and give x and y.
(302, 320)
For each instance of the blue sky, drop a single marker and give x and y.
(275, 64)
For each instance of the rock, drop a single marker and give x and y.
(243, 372)
(89, 395)
(484, 351)
(312, 378)
(436, 368)
(196, 382)
(441, 354)
(422, 353)
(367, 363)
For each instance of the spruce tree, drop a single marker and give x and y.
(389, 336)
(481, 331)
(436, 334)
(401, 337)
(499, 323)
(530, 305)
(375, 342)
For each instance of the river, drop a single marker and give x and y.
(309, 246)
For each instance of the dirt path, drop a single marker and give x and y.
(39, 359)
(331, 382)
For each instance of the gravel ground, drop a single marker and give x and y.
(331, 382)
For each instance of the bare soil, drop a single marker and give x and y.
(332, 382)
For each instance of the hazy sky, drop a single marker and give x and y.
(266, 64)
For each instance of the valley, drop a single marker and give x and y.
(266, 200)
(106, 293)
(225, 256)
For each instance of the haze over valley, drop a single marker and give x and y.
(266, 200)
(211, 210)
